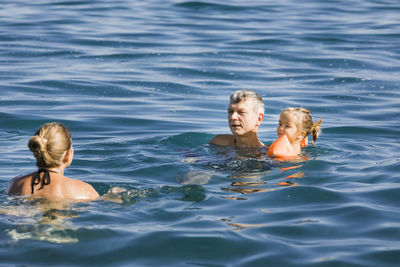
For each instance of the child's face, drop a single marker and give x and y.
(288, 127)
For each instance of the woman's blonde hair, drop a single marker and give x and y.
(49, 144)
(305, 122)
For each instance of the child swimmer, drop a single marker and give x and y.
(295, 124)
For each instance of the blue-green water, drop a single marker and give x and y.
(144, 85)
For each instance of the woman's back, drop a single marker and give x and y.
(60, 188)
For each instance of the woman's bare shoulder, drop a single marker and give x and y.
(19, 185)
(80, 190)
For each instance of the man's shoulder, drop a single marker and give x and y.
(223, 140)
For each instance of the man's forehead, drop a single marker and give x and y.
(243, 103)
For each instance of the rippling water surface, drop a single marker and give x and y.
(144, 85)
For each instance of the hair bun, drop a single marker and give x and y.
(37, 143)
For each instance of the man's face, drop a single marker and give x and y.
(242, 118)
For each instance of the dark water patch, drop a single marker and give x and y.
(184, 245)
(190, 72)
(74, 88)
(70, 3)
(381, 256)
(365, 130)
(385, 232)
(300, 195)
(192, 193)
(186, 140)
(384, 195)
(19, 123)
(140, 35)
(95, 42)
(209, 6)
(159, 124)
(390, 167)
(270, 41)
(125, 57)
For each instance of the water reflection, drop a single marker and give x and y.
(43, 220)
(129, 195)
(242, 226)
(39, 219)
(248, 168)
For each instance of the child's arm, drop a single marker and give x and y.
(304, 142)
(282, 148)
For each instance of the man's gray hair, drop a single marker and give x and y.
(242, 95)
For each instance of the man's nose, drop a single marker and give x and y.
(234, 115)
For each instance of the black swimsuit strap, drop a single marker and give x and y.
(45, 180)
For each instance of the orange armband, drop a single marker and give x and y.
(304, 142)
(281, 148)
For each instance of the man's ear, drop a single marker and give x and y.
(260, 118)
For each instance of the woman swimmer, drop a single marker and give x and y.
(295, 124)
(52, 147)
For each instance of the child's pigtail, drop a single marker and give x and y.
(316, 131)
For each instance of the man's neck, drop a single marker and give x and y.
(248, 141)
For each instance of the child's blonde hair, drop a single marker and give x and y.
(305, 123)
(49, 144)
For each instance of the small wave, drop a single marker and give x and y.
(197, 5)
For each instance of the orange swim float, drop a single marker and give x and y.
(282, 148)
(304, 142)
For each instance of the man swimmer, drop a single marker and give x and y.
(245, 114)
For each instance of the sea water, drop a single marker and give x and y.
(144, 85)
